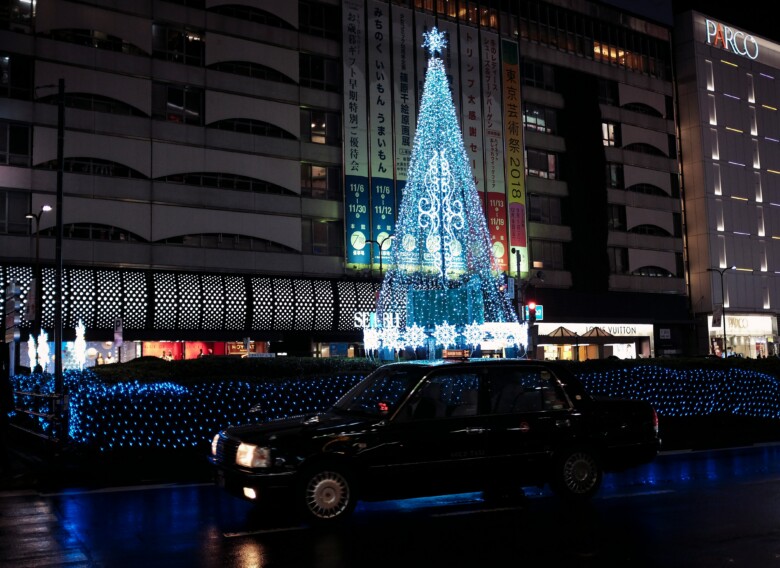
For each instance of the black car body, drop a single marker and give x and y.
(423, 428)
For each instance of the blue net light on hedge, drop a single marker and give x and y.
(135, 415)
(442, 271)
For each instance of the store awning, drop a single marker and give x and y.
(597, 332)
(561, 332)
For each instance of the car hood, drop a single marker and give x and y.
(310, 425)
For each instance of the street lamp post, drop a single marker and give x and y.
(723, 304)
(59, 383)
(38, 291)
(381, 245)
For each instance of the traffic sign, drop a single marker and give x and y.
(539, 312)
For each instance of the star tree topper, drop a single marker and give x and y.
(434, 41)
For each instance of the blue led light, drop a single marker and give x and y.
(107, 416)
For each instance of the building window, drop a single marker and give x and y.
(251, 126)
(579, 34)
(175, 103)
(616, 217)
(644, 148)
(94, 232)
(614, 175)
(15, 76)
(321, 182)
(227, 241)
(14, 205)
(227, 181)
(319, 20)
(549, 252)
(540, 118)
(249, 14)
(608, 92)
(540, 163)
(201, 4)
(544, 209)
(320, 127)
(178, 44)
(538, 75)
(17, 12)
(643, 108)
(322, 237)
(654, 271)
(98, 40)
(610, 134)
(94, 167)
(14, 144)
(95, 103)
(647, 189)
(648, 229)
(618, 260)
(254, 70)
(320, 73)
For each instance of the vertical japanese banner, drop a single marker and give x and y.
(472, 104)
(495, 203)
(515, 161)
(404, 98)
(381, 132)
(356, 194)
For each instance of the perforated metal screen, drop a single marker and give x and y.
(170, 301)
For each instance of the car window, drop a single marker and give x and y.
(524, 390)
(380, 393)
(446, 395)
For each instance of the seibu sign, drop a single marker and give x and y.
(732, 40)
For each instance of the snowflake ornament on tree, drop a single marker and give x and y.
(445, 335)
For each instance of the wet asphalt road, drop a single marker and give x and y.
(691, 509)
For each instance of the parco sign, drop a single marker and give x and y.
(732, 40)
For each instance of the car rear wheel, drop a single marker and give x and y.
(328, 493)
(577, 474)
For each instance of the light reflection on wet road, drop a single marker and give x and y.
(718, 508)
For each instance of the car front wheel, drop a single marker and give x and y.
(328, 493)
(577, 474)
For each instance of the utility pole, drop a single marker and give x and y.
(59, 387)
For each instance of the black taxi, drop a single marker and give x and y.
(426, 428)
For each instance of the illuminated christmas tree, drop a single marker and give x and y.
(442, 277)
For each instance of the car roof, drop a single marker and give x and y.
(470, 362)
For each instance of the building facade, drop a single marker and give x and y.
(232, 170)
(730, 130)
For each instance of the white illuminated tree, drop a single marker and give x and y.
(32, 353)
(43, 350)
(80, 345)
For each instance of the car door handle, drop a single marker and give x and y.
(470, 431)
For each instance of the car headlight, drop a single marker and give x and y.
(249, 455)
(214, 443)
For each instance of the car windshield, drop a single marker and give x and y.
(381, 392)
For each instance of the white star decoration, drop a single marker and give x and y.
(434, 41)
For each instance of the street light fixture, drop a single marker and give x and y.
(381, 245)
(38, 290)
(723, 304)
